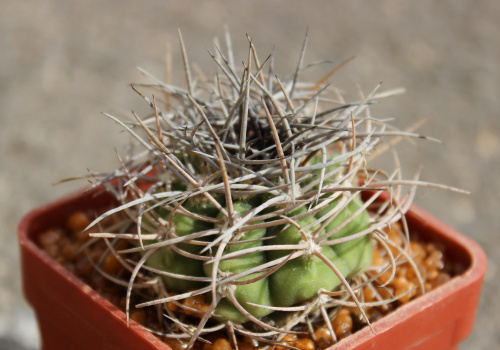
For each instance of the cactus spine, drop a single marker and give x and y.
(248, 192)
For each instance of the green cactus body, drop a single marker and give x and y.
(301, 279)
(296, 281)
(256, 292)
(166, 259)
(357, 224)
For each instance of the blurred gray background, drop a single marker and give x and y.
(62, 63)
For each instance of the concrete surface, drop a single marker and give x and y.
(62, 63)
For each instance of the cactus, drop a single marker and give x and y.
(248, 192)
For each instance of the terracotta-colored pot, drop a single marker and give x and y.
(73, 316)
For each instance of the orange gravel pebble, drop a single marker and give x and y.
(81, 236)
(196, 302)
(78, 221)
(69, 249)
(305, 344)
(221, 344)
(417, 251)
(440, 279)
(402, 286)
(49, 238)
(172, 306)
(289, 340)
(323, 337)
(177, 344)
(368, 294)
(342, 323)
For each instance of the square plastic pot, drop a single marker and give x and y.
(73, 316)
